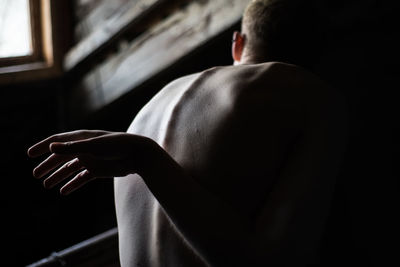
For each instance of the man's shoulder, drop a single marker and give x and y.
(241, 86)
(245, 72)
(281, 83)
(243, 83)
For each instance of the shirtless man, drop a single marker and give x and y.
(233, 166)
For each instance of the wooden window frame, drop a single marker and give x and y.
(45, 61)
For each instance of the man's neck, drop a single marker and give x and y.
(250, 58)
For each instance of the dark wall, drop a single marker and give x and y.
(361, 60)
(36, 221)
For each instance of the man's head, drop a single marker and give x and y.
(279, 30)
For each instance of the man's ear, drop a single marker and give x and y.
(238, 43)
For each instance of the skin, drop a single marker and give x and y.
(233, 166)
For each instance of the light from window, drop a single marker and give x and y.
(15, 28)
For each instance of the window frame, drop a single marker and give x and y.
(46, 60)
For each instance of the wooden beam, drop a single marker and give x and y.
(94, 13)
(109, 31)
(155, 51)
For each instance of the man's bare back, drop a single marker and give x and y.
(238, 131)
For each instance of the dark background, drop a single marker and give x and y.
(360, 58)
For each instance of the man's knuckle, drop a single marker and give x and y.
(55, 138)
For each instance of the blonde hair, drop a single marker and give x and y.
(282, 30)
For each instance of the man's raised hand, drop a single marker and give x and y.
(82, 156)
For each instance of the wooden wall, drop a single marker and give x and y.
(136, 48)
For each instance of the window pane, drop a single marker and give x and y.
(15, 28)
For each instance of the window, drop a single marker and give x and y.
(15, 28)
(30, 33)
(20, 32)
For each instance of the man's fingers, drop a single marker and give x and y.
(77, 147)
(62, 173)
(78, 181)
(98, 145)
(50, 164)
(42, 147)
